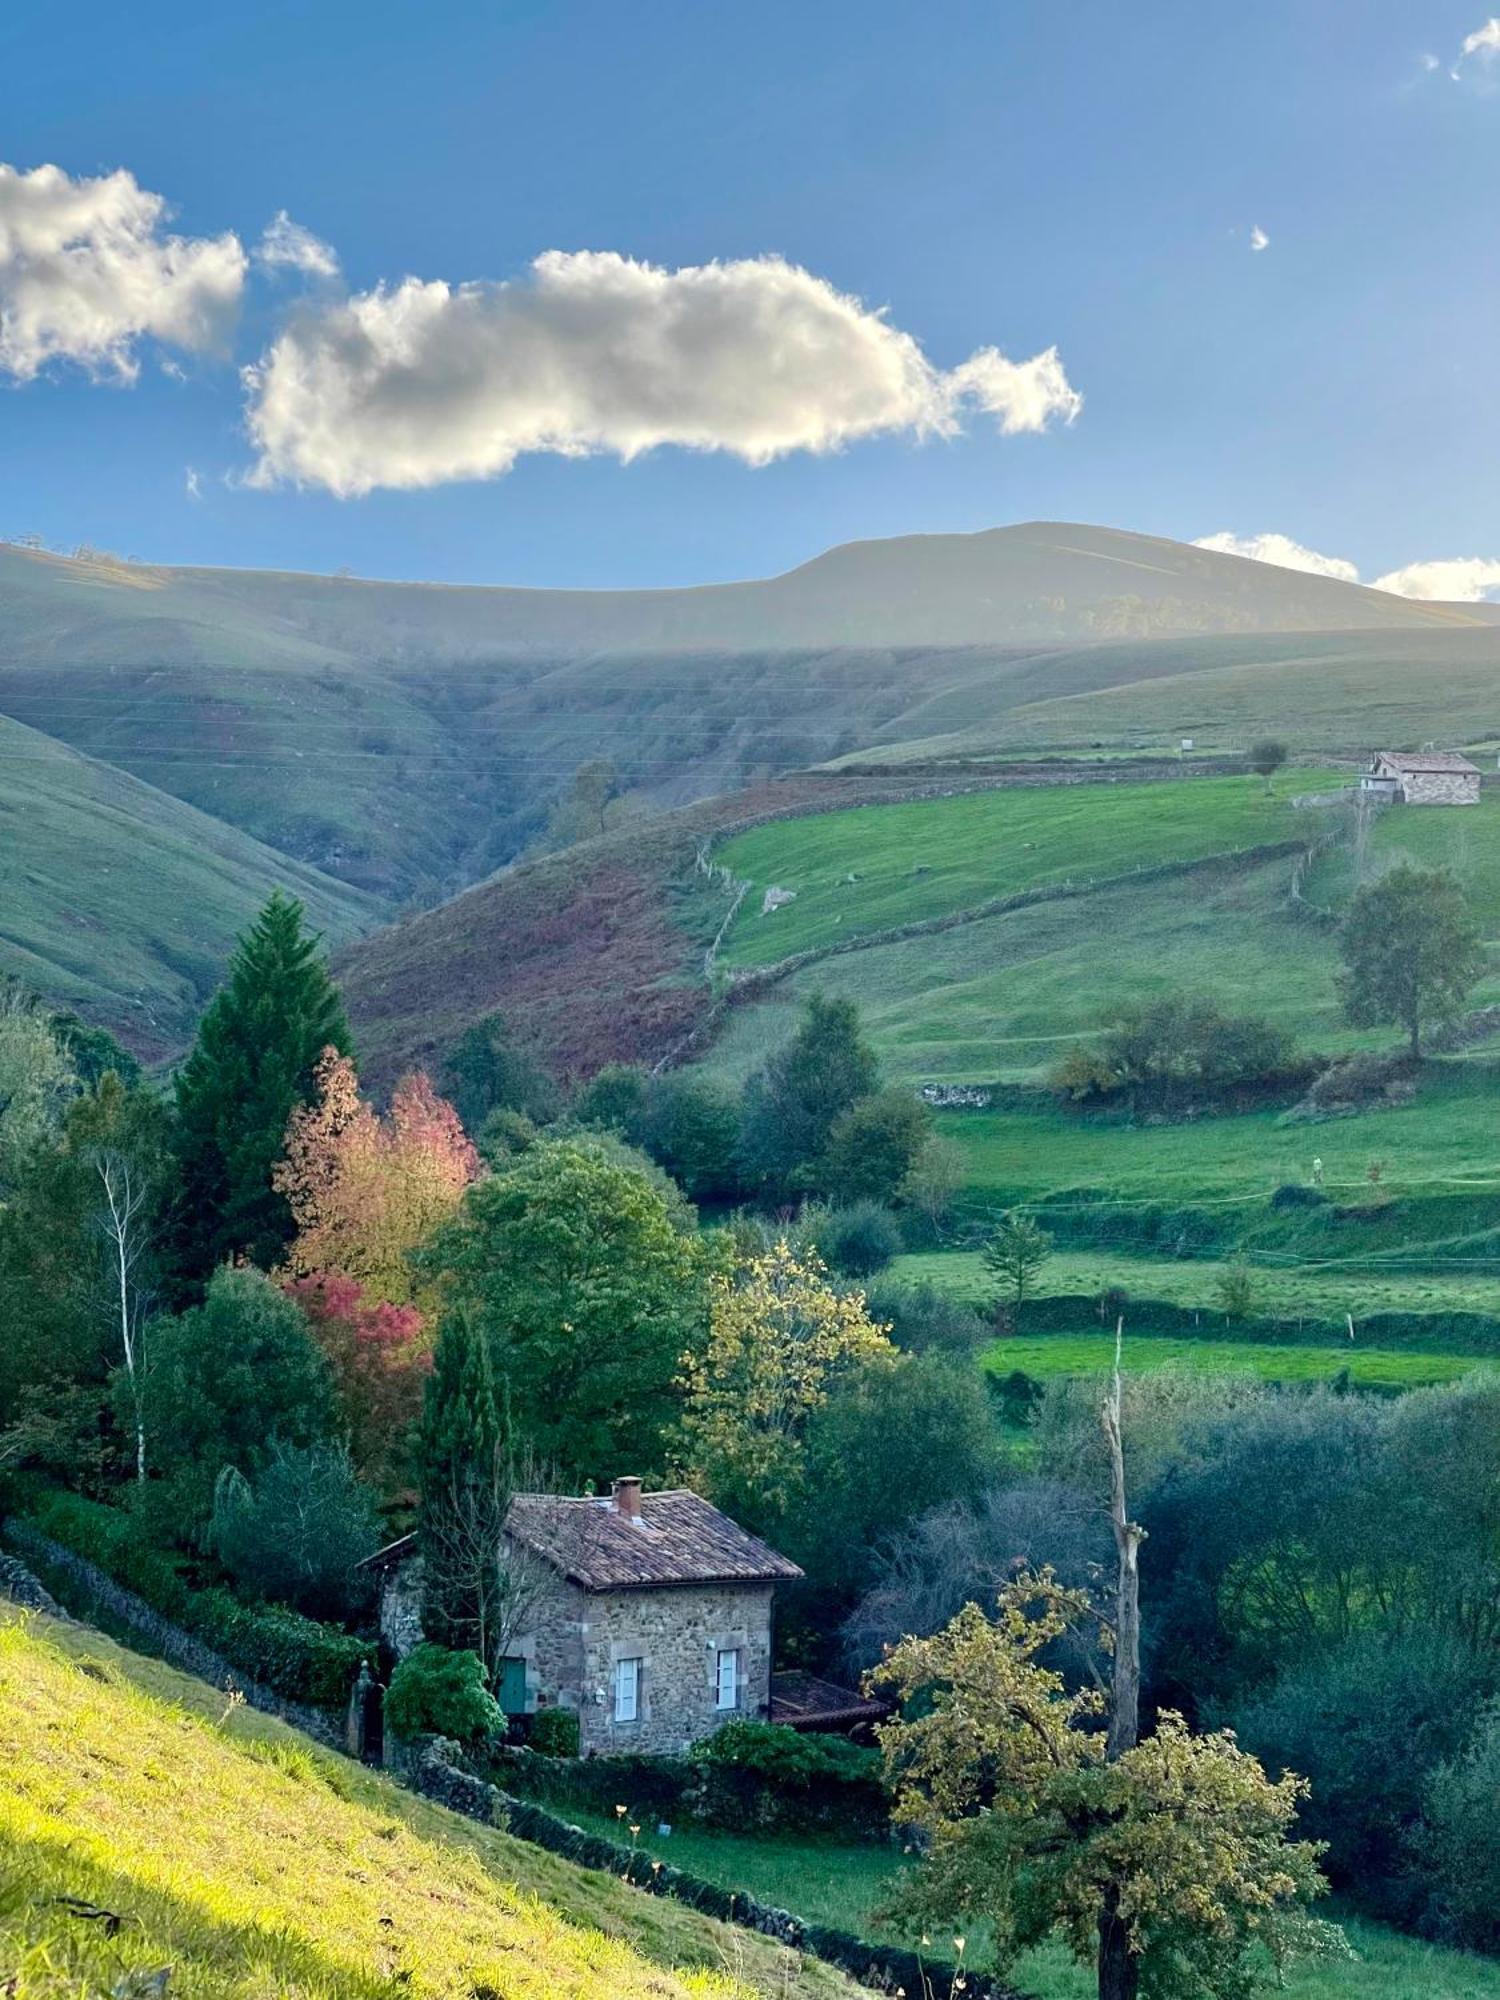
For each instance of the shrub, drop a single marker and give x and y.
(293, 1656)
(855, 1241)
(787, 1757)
(554, 1732)
(1297, 1194)
(437, 1693)
(298, 1531)
(1460, 1841)
(925, 1320)
(1168, 1054)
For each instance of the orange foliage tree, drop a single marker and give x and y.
(365, 1191)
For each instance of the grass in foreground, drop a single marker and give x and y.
(830, 1883)
(141, 1825)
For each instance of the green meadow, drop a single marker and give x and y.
(1045, 1355)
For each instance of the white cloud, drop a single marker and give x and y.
(1451, 580)
(1484, 42)
(1281, 550)
(192, 483)
(594, 352)
(86, 272)
(1258, 238)
(287, 246)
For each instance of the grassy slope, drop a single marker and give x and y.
(1093, 1353)
(881, 866)
(844, 1885)
(124, 903)
(252, 1865)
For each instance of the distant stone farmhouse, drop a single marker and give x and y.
(650, 1614)
(1422, 778)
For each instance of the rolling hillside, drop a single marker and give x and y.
(124, 903)
(410, 738)
(119, 1777)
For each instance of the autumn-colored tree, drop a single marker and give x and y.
(379, 1356)
(1029, 1823)
(779, 1338)
(365, 1191)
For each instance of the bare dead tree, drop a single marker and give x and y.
(489, 1585)
(122, 1221)
(1118, 1970)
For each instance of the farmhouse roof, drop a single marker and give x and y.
(673, 1537)
(1428, 760)
(670, 1537)
(802, 1701)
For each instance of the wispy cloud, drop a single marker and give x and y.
(192, 483)
(87, 270)
(1258, 238)
(287, 246)
(594, 352)
(1448, 580)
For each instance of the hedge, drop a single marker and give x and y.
(1451, 1332)
(294, 1656)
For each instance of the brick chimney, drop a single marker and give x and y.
(627, 1498)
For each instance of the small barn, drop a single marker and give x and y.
(1422, 778)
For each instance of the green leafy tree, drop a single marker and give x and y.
(1014, 1257)
(614, 1100)
(251, 1065)
(37, 1078)
(488, 1070)
(793, 1104)
(463, 1477)
(691, 1127)
(1031, 1825)
(581, 812)
(874, 1145)
(1266, 759)
(296, 1531)
(1411, 951)
(225, 1383)
(588, 1290)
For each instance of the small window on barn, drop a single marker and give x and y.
(727, 1680)
(627, 1690)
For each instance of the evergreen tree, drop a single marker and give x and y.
(464, 1479)
(791, 1107)
(250, 1066)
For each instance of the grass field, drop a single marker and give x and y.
(1280, 1289)
(880, 866)
(142, 1825)
(1047, 1354)
(124, 903)
(828, 1883)
(1467, 841)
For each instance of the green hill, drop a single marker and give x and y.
(124, 903)
(145, 1823)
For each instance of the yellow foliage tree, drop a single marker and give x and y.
(779, 1337)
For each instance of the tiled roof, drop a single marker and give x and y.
(677, 1538)
(802, 1701)
(1428, 760)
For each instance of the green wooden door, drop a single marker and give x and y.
(513, 1686)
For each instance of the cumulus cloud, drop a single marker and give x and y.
(1450, 580)
(420, 383)
(87, 271)
(1258, 238)
(287, 246)
(1484, 42)
(1281, 550)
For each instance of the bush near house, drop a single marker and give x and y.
(296, 1657)
(435, 1692)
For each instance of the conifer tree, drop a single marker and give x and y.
(251, 1065)
(464, 1479)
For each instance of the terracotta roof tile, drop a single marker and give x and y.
(677, 1538)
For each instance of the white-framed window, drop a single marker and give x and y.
(627, 1690)
(726, 1678)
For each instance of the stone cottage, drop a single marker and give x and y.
(649, 1613)
(1422, 778)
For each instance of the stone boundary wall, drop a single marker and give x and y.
(432, 1768)
(159, 1634)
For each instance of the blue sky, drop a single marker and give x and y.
(1017, 174)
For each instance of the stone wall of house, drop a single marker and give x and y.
(1441, 788)
(401, 1607)
(676, 1634)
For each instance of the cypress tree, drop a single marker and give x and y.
(251, 1064)
(464, 1480)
